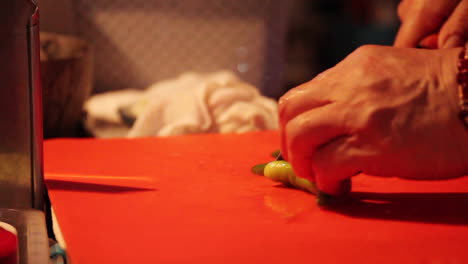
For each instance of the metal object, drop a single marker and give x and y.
(20, 106)
(21, 175)
(32, 234)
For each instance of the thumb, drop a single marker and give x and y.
(454, 33)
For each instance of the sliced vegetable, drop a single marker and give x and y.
(276, 153)
(306, 185)
(279, 171)
(258, 169)
(282, 171)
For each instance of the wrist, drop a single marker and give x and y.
(462, 82)
(455, 81)
(449, 80)
(450, 84)
(448, 75)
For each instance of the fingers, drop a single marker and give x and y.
(429, 42)
(454, 32)
(295, 102)
(307, 132)
(420, 19)
(283, 147)
(302, 99)
(289, 111)
(335, 162)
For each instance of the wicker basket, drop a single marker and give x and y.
(66, 73)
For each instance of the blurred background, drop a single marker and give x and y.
(271, 44)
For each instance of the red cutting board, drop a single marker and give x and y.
(208, 208)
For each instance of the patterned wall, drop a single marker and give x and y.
(139, 42)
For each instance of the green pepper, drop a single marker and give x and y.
(306, 185)
(275, 153)
(258, 169)
(279, 171)
(282, 171)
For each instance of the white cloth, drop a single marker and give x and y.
(192, 103)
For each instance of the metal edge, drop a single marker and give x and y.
(37, 175)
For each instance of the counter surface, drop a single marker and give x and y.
(207, 207)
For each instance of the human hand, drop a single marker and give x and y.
(423, 19)
(382, 111)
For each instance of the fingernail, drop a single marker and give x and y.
(429, 42)
(453, 42)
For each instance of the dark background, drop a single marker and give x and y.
(323, 32)
(320, 33)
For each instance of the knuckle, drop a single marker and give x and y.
(289, 100)
(366, 50)
(282, 101)
(369, 55)
(364, 59)
(283, 105)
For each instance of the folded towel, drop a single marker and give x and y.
(192, 103)
(102, 112)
